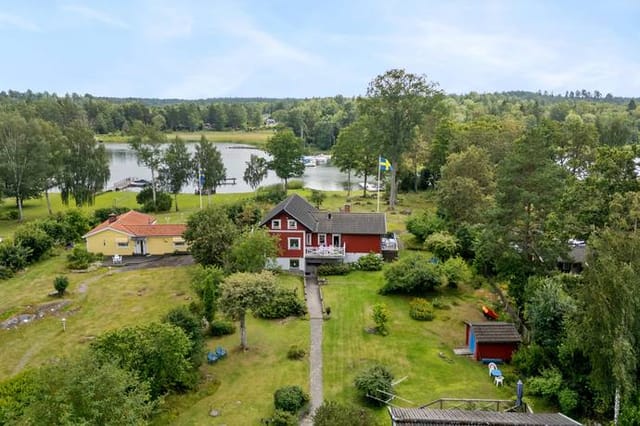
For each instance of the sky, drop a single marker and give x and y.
(193, 49)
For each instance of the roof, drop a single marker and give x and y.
(137, 224)
(427, 416)
(296, 207)
(328, 222)
(495, 332)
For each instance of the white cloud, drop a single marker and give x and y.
(94, 15)
(167, 22)
(14, 21)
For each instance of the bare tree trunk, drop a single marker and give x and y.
(153, 187)
(46, 196)
(19, 203)
(175, 199)
(616, 406)
(349, 183)
(393, 193)
(243, 333)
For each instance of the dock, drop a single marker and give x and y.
(130, 182)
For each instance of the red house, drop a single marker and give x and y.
(310, 237)
(495, 340)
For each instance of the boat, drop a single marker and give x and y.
(322, 158)
(488, 313)
(309, 161)
(371, 187)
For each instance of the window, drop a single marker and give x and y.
(123, 245)
(308, 236)
(292, 224)
(294, 243)
(322, 239)
(122, 242)
(336, 240)
(275, 224)
(294, 263)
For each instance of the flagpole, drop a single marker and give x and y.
(378, 185)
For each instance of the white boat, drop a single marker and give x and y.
(309, 161)
(322, 158)
(372, 187)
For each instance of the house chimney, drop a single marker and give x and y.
(347, 208)
(112, 217)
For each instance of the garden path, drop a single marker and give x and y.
(314, 306)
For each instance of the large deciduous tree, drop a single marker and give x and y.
(84, 391)
(397, 103)
(85, 165)
(147, 141)
(356, 151)
(286, 151)
(607, 321)
(244, 291)
(256, 171)
(209, 162)
(210, 234)
(252, 251)
(24, 156)
(177, 167)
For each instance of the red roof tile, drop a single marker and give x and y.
(139, 225)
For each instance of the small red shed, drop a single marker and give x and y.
(494, 340)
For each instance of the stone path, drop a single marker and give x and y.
(314, 305)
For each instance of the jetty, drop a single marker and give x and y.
(130, 182)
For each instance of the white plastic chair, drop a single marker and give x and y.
(492, 366)
(499, 381)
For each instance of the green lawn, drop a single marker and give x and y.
(257, 137)
(411, 349)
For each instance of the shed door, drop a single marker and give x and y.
(472, 341)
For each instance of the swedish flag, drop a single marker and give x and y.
(385, 165)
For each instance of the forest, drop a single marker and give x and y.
(518, 180)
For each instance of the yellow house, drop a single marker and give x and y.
(135, 233)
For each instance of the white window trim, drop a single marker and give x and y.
(294, 267)
(290, 240)
(333, 237)
(291, 222)
(274, 222)
(324, 237)
(308, 239)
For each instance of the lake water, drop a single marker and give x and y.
(123, 163)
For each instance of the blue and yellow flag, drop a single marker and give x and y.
(385, 165)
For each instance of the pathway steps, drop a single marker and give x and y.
(314, 306)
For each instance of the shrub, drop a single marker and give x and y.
(282, 418)
(271, 194)
(296, 352)
(413, 274)
(442, 244)
(60, 283)
(317, 197)
(380, 316)
(5, 272)
(79, 258)
(373, 382)
(285, 303)
(221, 328)
(33, 237)
(13, 215)
(333, 269)
(290, 398)
(370, 262)
(421, 310)
(457, 271)
(331, 413)
(424, 225)
(295, 184)
(244, 214)
(182, 318)
(439, 304)
(12, 256)
(530, 360)
(65, 228)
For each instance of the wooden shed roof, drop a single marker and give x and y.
(495, 332)
(428, 417)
